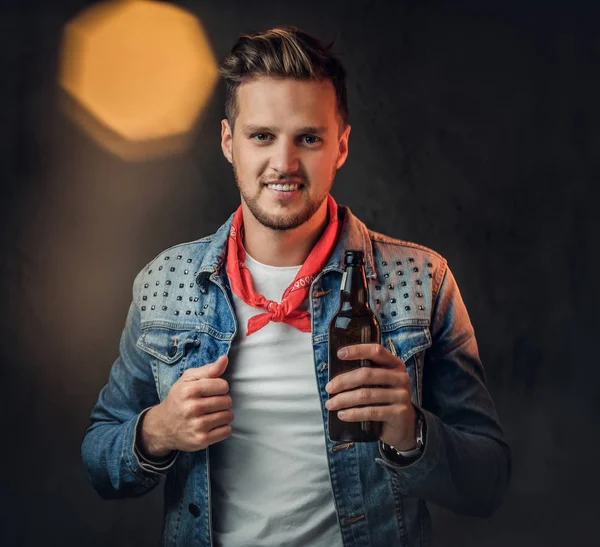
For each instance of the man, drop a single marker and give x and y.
(221, 384)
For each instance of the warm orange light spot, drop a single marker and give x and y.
(142, 69)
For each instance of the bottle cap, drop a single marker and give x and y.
(354, 258)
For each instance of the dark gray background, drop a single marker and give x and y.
(475, 132)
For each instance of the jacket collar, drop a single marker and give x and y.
(353, 235)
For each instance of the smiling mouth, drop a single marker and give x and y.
(285, 187)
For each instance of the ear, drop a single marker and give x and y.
(343, 147)
(227, 140)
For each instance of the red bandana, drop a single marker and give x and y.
(286, 311)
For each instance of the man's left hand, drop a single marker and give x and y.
(383, 389)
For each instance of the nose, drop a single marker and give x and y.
(285, 157)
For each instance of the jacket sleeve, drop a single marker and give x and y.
(466, 463)
(112, 461)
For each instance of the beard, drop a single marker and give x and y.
(286, 221)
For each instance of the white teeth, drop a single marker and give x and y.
(283, 187)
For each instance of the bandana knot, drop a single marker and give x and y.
(276, 311)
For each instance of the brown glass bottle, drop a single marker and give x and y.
(353, 323)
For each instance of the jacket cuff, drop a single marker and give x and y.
(144, 461)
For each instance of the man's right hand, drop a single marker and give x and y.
(195, 413)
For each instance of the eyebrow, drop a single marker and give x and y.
(250, 128)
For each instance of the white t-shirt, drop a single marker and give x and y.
(270, 479)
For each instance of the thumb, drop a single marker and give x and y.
(216, 368)
(210, 370)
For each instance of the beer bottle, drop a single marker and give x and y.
(353, 323)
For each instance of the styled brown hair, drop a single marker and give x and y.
(282, 52)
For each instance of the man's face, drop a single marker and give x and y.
(286, 131)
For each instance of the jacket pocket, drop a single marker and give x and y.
(409, 342)
(171, 349)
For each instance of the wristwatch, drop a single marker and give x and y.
(418, 449)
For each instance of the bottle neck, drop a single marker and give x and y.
(353, 292)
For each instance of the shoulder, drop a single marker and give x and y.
(407, 259)
(186, 250)
(383, 244)
(403, 246)
(182, 258)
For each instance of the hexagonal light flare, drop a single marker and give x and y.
(143, 70)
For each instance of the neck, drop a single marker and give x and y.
(283, 247)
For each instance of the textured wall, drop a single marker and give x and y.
(474, 131)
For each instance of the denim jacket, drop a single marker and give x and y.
(182, 316)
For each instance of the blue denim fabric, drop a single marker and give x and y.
(181, 316)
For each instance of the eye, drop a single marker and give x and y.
(261, 137)
(310, 139)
